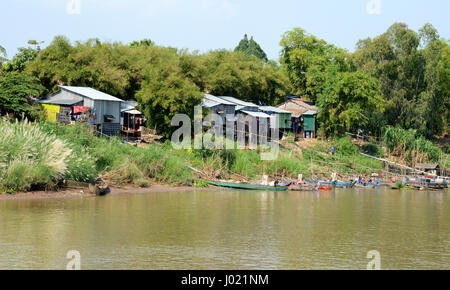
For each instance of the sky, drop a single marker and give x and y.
(212, 24)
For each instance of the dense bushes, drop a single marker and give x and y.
(345, 146)
(408, 145)
(373, 149)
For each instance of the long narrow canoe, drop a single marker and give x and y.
(319, 185)
(373, 185)
(295, 187)
(246, 186)
(339, 183)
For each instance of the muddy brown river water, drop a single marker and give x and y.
(229, 230)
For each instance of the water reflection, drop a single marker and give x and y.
(230, 230)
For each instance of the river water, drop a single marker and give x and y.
(230, 230)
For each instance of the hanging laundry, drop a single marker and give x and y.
(80, 109)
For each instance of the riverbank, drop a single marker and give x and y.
(79, 193)
(59, 153)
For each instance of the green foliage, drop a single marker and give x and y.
(119, 163)
(16, 93)
(405, 71)
(345, 147)
(287, 165)
(307, 59)
(226, 73)
(413, 81)
(251, 48)
(373, 150)
(143, 42)
(113, 68)
(346, 102)
(21, 59)
(3, 56)
(165, 80)
(399, 185)
(165, 92)
(30, 158)
(409, 145)
(201, 184)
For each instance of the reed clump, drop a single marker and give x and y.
(30, 158)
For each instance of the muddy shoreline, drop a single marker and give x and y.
(85, 193)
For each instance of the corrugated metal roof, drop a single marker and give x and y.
(91, 94)
(273, 110)
(209, 105)
(218, 100)
(297, 107)
(239, 102)
(128, 105)
(60, 102)
(427, 166)
(310, 113)
(256, 114)
(133, 112)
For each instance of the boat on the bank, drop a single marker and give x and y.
(337, 183)
(319, 185)
(308, 186)
(425, 183)
(368, 185)
(248, 186)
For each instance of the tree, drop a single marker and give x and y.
(21, 59)
(436, 93)
(228, 73)
(166, 92)
(143, 42)
(16, 94)
(3, 56)
(412, 79)
(347, 101)
(251, 48)
(103, 66)
(306, 60)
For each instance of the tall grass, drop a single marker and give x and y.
(29, 157)
(411, 147)
(40, 155)
(121, 163)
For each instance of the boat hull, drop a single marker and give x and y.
(368, 185)
(247, 186)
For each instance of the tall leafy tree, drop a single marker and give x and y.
(306, 59)
(103, 66)
(412, 78)
(435, 95)
(165, 92)
(2, 57)
(17, 93)
(228, 73)
(347, 101)
(21, 59)
(251, 48)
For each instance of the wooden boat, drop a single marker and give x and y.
(307, 186)
(337, 183)
(319, 185)
(247, 186)
(296, 187)
(366, 185)
(344, 184)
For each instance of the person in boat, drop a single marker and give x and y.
(276, 183)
